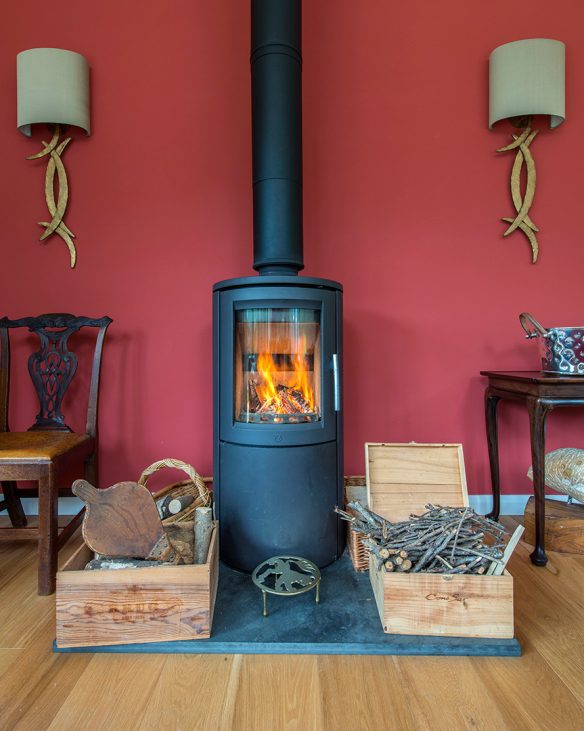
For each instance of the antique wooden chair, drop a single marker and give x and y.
(49, 449)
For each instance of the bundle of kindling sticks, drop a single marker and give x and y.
(441, 540)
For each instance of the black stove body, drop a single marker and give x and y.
(278, 457)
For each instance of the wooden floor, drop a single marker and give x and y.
(544, 689)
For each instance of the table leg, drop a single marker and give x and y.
(491, 403)
(537, 412)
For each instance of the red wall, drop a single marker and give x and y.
(403, 195)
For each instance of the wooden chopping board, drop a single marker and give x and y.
(121, 520)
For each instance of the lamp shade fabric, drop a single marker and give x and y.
(53, 87)
(528, 77)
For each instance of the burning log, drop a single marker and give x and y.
(442, 540)
(287, 400)
(254, 400)
(268, 406)
(295, 398)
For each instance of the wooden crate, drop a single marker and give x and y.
(402, 479)
(564, 526)
(128, 606)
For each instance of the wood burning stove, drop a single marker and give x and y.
(277, 341)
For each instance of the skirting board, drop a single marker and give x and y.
(345, 622)
(510, 504)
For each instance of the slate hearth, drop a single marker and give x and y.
(344, 623)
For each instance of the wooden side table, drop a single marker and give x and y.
(540, 392)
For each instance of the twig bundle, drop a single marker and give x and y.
(443, 540)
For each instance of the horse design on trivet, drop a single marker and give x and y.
(286, 576)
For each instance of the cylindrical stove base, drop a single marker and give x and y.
(282, 498)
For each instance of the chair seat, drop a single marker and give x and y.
(36, 447)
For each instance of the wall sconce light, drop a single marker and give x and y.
(53, 87)
(526, 78)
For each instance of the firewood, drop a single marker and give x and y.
(203, 529)
(298, 399)
(178, 504)
(162, 506)
(444, 539)
(255, 401)
(267, 407)
(163, 551)
(182, 538)
(121, 563)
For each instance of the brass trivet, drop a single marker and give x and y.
(286, 576)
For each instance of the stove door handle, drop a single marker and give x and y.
(336, 382)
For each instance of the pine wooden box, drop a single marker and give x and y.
(402, 479)
(129, 606)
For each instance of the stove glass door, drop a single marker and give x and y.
(277, 368)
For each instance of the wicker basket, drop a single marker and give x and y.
(195, 486)
(356, 489)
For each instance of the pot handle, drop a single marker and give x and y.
(539, 330)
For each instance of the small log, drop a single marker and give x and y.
(255, 401)
(163, 551)
(121, 563)
(182, 538)
(162, 506)
(178, 504)
(389, 565)
(203, 530)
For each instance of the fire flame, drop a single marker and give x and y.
(269, 389)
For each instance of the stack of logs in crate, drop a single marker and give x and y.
(169, 596)
(401, 480)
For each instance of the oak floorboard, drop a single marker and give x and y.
(7, 658)
(195, 692)
(445, 693)
(568, 567)
(543, 701)
(111, 693)
(38, 681)
(278, 692)
(21, 609)
(365, 693)
(550, 617)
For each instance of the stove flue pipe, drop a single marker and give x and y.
(276, 75)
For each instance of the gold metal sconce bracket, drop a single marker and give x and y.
(55, 149)
(523, 201)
